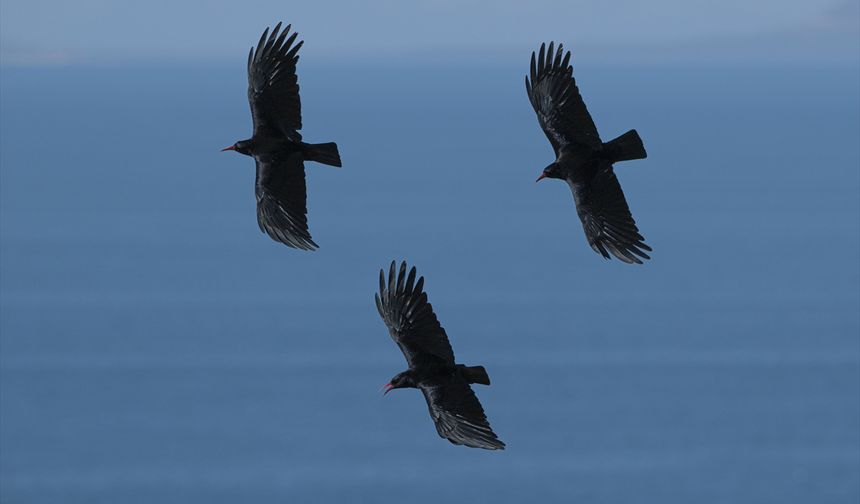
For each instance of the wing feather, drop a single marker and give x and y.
(553, 93)
(282, 200)
(606, 218)
(458, 415)
(273, 89)
(402, 304)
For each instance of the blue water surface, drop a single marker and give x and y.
(156, 347)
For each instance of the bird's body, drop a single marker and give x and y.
(579, 164)
(433, 375)
(583, 160)
(277, 146)
(455, 409)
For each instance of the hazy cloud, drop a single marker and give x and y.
(57, 32)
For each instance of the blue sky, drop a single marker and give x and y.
(39, 32)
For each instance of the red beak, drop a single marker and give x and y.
(542, 176)
(232, 147)
(387, 387)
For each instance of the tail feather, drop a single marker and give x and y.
(625, 148)
(476, 374)
(325, 153)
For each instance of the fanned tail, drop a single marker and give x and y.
(625, 148)
(476, 374)
(325, 153)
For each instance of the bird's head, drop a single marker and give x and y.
(551, 171)
(242, 147)
(401, 380)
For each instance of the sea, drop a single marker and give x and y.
(155, 347)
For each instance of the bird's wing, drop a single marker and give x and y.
(403, 305)
(606, 218)
(273, 89)
(458, 414)
(553, 94)
(282, 199)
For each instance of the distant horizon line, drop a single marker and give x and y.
(842, 49)
(410, 61)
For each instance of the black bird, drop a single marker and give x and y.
(277, 146)
(455, 409)
(583, 160)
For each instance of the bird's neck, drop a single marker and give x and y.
(410, 379)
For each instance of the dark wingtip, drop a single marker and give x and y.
(401, 277)
(391, 277)
(410, 281)
(379, 306)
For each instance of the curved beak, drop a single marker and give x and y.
(542, 176)
(387, 388)
(232, 147)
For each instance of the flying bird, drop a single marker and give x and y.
(583, 160)
(455, 409)
(276, 145)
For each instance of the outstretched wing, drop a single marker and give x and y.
(282, 200)
(403, 305)
(273, 89)
(458, 414)
(553, 94)
(606, 218)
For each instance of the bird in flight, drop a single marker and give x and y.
(277, 146)
(455, 409)
(583, 160)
